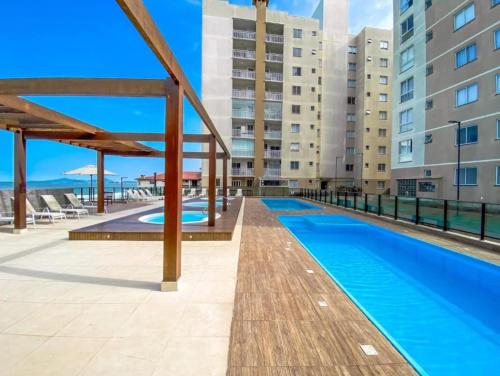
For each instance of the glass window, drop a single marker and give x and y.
(351, 83)
(384, 80)
(464, 16)
(468, 135)
(406, 90)
(351, 118)
(407, 59)
(297, 33)
(382, 115)
(349, 167)
(295, 109)
(293, 184)
(380, 184)
(294, 146)
(498, 129)
(404, 5)
(384, 45)
(466, 176)
(352, 50)
(406, 120)
(350, 134)
(407, 28)
(407, 187)
(296, 90)
(297, 71)
(498, 176)
(382, 150)
(496, 39)
(382, 132)
(498, 83)
(465, 56)
(384, 63)
(467, 95)
(382, 97)
(425, 186)
(297, 52)
(349, 151)
(495, 2)
(381, 167)
(406, 151)
(351, 100)
(294, 165)
(351, 67)
(295, 128)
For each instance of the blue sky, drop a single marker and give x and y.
(93, 38)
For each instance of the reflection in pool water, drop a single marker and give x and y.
(187, 217)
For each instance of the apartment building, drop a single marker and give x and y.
(447, 70)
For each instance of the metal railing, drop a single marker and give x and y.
(476, 218)
(272, 115)
(273, 57)
(272, 172)
(274, 96)
(243, 94)
(275, 38)
(246, 74)
(272, 153)
(273, 76)
(244, 54)
(243, 113)
(242, 172)
(251, 35)
(272, 135)
(243, 153)
(243, 134)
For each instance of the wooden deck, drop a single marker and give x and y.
(279, 328)
(131, 229)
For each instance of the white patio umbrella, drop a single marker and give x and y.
(88, 170)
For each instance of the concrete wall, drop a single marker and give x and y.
(34, 197)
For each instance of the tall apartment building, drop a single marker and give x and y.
(447, 70)
(276, 85)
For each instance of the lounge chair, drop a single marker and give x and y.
(191, 193)
(239, 193)
(133, 195)
(55, 207)
(145, 196)
(76, 203)
(203, 192)
(30, 209)
(9, 218)
(149, 194)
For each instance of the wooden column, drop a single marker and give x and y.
(172, 228)
(19, 183)
(224, 184)
(212, 167)
(100, 183)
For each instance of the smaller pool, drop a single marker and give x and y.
(218, 198)
(187, 217)
(201, 204)
(288, 204)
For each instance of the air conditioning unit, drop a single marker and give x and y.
(369, 58)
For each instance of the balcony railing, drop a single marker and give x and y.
(272, 154)
(243, 113)
(275, 38)
(246, 74)
(272, 115)
(238, 133)
(243, 94)
(244, 54)
(272, 135)
(242, 153)
(272, 76)
(251, 35)
(272, 172)
(242, 172)
(274, 96)
(277, 58)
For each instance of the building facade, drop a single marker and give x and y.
(447, 70)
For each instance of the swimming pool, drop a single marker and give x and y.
(288, 204)
(187, 217)
(201, 204)
(441, 309)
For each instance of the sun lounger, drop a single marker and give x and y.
(9, 218)
(145, 196)
(55, 207)
(30, 210)
(239, 193)
(191, 193)
(203, 192)
(152, 196)
(76, 203)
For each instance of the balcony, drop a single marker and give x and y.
(275, 38)
(272, 57)
(244, 74)
(252, 35)
(272, 172)
(242, 172)
(272, 115)
(238, 133)
(272, 135)
(243, 113)
(272, 76)
(274, 96)
(243, 94)
(272, 154)
(242, 153)
(244, 54)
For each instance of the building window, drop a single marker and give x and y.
(429, 70)
(406, 151)
(406, 120)
(465, 56)
(297, 52)
(349, 167)
(293, 184)
(382, 132)
(404, 5)
(367, 147)
(297, 71)
(295, 128)
(384, 63)
(382, 150)
(351, 83)
(497, 180)
(313, 70)
(407, 187)
(464, 16)
(407, 29)
(294, 165)
(351, 67)
(428, 139)
(383, 80)
(311, 145)
(382, 115)
(294, 146)
(496, 39)
(311, 164)
(407, 59)
(314, 33)
(381, 167)
(349, 151)
(311, 126)
(468, 135)
(382, 97)
(498, 83)
(368, 94)
(350, 134)
(297, 33)
(368, 76)
(313, 108)
(351, 118)
(466, 95)
(428, 4)
(427, 173)
(296, 90)
(429, 104)
(351, 100)
(425, 186)
(384, 45)
(494, 3)
(429, 36)
(295, 109)
(313, 89)
(498, 129)
(353, 50)
(380, 184)
(406, 90)
(466, 176)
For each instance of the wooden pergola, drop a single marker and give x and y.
(31, 121)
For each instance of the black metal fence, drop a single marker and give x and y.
(475, 218)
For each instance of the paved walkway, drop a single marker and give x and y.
(94, 308)
(280, 326)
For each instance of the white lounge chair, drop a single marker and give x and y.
(239, 193)
(145, 196)
(191, 193)
(149, 194)
(41, 214)
(203, 192)
(77, 204)
(9, 218)
(55, 207)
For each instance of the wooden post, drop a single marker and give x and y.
(100, 183)
(212, 166)
(19, 183)
(224, 184)
(172, 227)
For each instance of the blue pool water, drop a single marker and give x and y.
(187, 217)
(441, 309)
(288, 204)
(201, 204)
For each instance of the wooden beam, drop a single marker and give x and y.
(172, 225)
(161, 154)
(224, 184)
(19, 183)
(197, 138)
(145, 25)
(100, 182)
(212, 174)
(109, 87)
